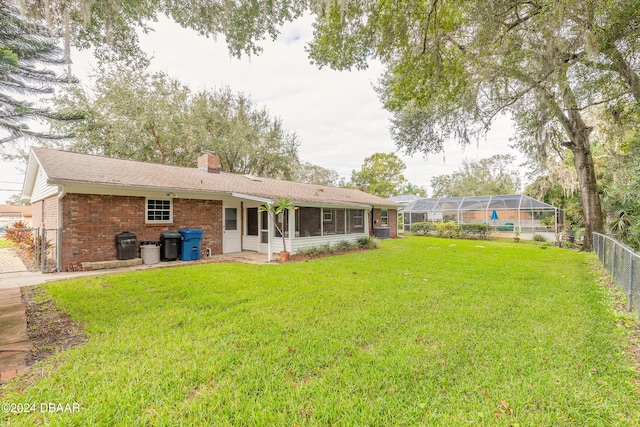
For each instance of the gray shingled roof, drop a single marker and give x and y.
(66, 167)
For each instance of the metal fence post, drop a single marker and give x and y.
(630, 293)
(613, 262)
(58, 252)
(36, 247)
(43, 248)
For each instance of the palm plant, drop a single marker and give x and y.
(274, 210)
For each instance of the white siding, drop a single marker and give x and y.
(309, 242)
(41, 189)
(250, 243)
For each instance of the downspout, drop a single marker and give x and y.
(372, 231)
(59, 230)
(269, 234)
(520, 214)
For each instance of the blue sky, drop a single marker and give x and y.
(337, 115)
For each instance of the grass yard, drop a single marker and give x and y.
(423, 331)
(4, 243)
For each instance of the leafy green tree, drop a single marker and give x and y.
(486, 177)
(559, 188)
(416, 190)
(620, 175)
(452, 66)
(313, 174)
(381, 174)
(152, 117)
(111, 27)
(27, 54)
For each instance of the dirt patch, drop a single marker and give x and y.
(49, 329)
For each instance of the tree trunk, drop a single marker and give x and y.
(586, 172)
(578, 133)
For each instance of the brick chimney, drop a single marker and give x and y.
(209, 163)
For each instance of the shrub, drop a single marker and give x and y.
(367, 242)
(308, 251)
(346, 245)
(474, 231)
(548, 221)
(422, 228)
(539, 238)
(342, 246)
(448, 230)
(20, 234)
(30, 248)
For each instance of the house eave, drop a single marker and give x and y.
(83, 187)
(33, 164)
(253, 198)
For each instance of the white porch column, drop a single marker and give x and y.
(270, 236)
(291, 228)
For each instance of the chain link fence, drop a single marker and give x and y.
(36, 247)
(623, 264)
(47, 244)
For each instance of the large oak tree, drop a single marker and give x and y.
(453, 66)
(485, 177)
(134, 114)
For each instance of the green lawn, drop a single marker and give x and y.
(4, 243)
(420, 332)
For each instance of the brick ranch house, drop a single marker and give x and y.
(91, 199)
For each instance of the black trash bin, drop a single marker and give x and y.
(170, 245)
(125, 245)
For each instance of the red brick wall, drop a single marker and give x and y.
(393, 223)
(91, 223)
(377, 222)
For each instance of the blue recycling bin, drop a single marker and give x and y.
(191, 244)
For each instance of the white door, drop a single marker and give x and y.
(230, 229)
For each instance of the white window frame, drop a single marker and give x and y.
(327, 215)
(384, 217)
(358, 218)
(157, 221)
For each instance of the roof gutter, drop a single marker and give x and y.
(61, 194)
(110, 186)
